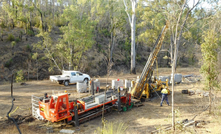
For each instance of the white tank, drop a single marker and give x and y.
(177, 78)
(81, 87)
(127, 83)
(117, 83)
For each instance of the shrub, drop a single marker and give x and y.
(59, 22)
(17, 39)
(30, 32)
(19, 76)
(8, 63)
(2, 25)
(13, 43)
(112, 128)
(10, 37)
(28, 48)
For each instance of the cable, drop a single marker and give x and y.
(13, 99)
(19, 108)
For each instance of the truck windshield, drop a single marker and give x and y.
(79, 73)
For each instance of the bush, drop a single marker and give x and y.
(28, 48)
(19, 76)
(2, 25)
(10, 37)
(59, 22)
(8, 63)
(30, 32)
(13, 43)
(17, 39)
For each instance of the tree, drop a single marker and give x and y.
(210, 62)
(132, 21)
(177, 15)
(78, 34)
(35, 57)
(49, 50)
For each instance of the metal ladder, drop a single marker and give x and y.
(35, 107)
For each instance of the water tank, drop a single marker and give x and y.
(81, 87)
(117, 83)
(177, 78)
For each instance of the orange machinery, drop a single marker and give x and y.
(58, 107)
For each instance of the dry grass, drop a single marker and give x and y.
(139, 120)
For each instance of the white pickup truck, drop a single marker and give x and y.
(69, 77)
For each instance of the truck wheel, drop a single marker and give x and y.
(66, 83)
(86, 80)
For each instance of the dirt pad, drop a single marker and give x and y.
(139, 120)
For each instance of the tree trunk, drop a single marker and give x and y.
(173, 114)
(210, 96)
(70, 61)
(132, 21)
(53, 8)
(37, 69)
(133, 30)
(173, 72)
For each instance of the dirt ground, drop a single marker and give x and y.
(138, 120)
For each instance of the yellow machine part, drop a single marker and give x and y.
(157, 86)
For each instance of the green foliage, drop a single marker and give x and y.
(13, 43)
(210, 63)
(30, 32)
(19, 76)
(35, 56)
(9, 63)
(59, 21)
(2, 24)
(78, 34)
(28, 48)
(17, 39)
(10, 37)
(105, 32)
(151, 21)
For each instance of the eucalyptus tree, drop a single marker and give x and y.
(132, 20)
(77, 34)
(176, 13)
(111, 22)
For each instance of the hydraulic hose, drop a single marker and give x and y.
(13, 99)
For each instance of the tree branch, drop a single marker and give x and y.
(127, 12)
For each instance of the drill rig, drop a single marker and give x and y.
(59, 106)
(146, 85)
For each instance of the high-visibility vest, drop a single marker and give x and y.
(164, 91)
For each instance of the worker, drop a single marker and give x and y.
(164, 96)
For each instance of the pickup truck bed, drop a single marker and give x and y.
(57, 78)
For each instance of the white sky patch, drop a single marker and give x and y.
(205, 5)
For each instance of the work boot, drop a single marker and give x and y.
(161, 105)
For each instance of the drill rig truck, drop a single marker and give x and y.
(147, 86)
(59, 107)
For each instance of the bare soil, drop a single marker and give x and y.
(138, 120)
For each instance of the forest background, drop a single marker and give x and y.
(42, 37)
